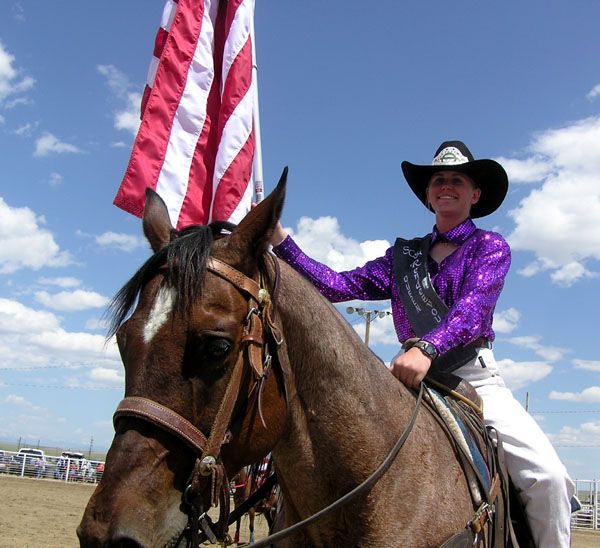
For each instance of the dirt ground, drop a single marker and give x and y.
(36, 513)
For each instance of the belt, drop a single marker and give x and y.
(483, 342)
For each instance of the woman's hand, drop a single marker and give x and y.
(279, 234)
(410, 367)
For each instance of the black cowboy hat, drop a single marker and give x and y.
(488, 175)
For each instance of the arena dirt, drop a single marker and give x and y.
(36, 513)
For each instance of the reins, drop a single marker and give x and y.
(358, 490)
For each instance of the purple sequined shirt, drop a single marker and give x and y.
(469, 281)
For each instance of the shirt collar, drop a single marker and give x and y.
(457, 235)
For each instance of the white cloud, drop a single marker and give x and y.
(117, 81)
(11, 80)
(24, 244)
(506, 321)
(551, 220)
(530, 170)
(49, 143)
(71, 300)
(322, 239)
(34, 337)
(64, 281)
(15, 317)
(594, 93)
(519, 374)
(25, 130)
(105, 375)
(95, 324)
(20, 401)
(549, 353)
(589, 395)
(124, 242)
(588, 365)
(19, 101)
(588, 433)
(18, 12)
(55, 179)
(568, 274)
(127, 118)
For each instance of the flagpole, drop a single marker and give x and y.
(257, 167)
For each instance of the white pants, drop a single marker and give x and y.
(538, 474)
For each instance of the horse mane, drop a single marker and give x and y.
(183, 262)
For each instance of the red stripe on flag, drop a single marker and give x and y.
(159, 43)
(234, 182)
(153, 136)
(198, 199)
(145, 97)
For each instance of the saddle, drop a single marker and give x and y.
(459, 409)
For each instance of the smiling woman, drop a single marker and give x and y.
(444, 288)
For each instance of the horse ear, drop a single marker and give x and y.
(252, 236)
(156, 221)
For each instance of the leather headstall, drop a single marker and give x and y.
(261, 336)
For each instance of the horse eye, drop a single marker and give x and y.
(217, 348)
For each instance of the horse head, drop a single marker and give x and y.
(204, 379)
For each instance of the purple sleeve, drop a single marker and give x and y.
(470, 316)
(368, 282)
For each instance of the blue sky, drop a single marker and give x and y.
(347, 91)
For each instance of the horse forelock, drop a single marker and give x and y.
(182, 262)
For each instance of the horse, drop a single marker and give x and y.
(245, 483)
(199, 405)
(242, 488)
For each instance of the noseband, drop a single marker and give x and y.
(259, 330)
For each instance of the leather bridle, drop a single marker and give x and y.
(260, 329)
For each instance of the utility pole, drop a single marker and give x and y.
(369, 316)
(527, 401)
(91, 447)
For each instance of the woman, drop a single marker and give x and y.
(443, 289)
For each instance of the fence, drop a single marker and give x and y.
(589, 515)
(33, 463)
(74, 467)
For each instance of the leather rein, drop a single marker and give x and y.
(209, 470)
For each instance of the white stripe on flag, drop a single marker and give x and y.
(189, 119)
(239, 34)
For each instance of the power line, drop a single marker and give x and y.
(578, 446)
(62, 387)
(563, 412)
(39, 367)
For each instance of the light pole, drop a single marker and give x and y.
(368, 315)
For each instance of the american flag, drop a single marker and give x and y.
(195, 144)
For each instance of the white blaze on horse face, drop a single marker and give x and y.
(162, 307)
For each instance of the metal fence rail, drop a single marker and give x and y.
(66, 468)
(63, 468)
(589, 516)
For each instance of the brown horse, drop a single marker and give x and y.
(242, 489)
(324, 405)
